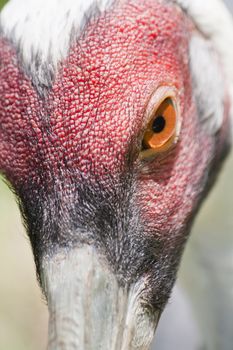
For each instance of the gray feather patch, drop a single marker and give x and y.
(208, 84)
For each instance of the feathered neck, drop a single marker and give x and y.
(214, 21)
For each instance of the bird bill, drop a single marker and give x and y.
(88, 309)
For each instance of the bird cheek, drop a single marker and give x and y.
(171, 191)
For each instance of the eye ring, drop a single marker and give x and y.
(162, 123)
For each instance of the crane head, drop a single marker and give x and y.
(115, 119)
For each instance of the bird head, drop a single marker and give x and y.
(115, 119)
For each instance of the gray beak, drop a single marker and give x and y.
(88, 309)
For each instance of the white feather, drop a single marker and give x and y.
(213, 19)
(44, 26)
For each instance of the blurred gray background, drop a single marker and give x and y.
(23, 313)
(229, 4)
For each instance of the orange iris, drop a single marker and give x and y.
(161, 130)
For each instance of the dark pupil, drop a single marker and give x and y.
(159, 124)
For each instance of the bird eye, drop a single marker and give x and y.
(161, 129)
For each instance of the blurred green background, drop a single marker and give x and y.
(23, 314)
(2, 2)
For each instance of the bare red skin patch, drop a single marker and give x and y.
(95, 110)
(98, 98)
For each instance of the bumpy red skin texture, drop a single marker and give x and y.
(96, 108)
(97, 101)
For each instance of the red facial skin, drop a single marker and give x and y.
(96, 108)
